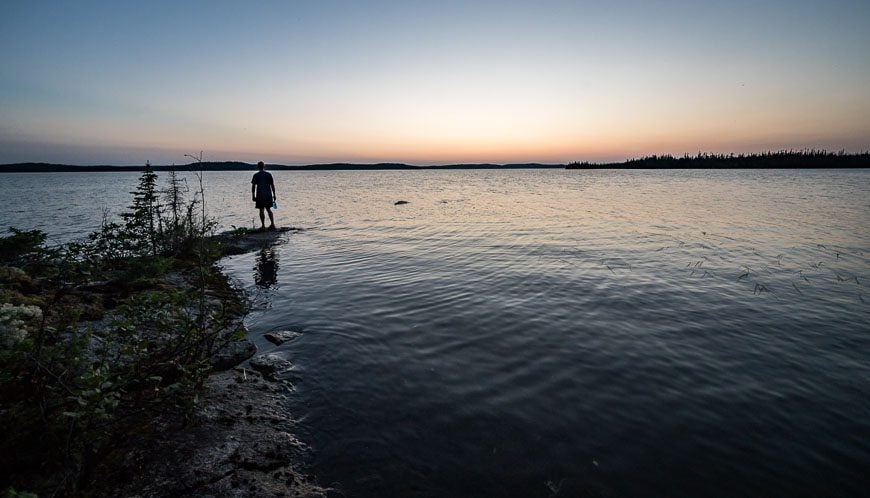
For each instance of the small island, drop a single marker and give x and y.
(784, 159)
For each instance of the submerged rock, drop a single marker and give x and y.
(270, 364)
(281, 336)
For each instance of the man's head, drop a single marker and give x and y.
(260, 165)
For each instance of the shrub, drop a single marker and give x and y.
(66, 388)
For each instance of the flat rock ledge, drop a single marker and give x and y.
(243, 240)
(239, 445)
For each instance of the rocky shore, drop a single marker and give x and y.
(240, 439)
(223, 433)
(240, 443)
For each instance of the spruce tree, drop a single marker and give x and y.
(142, 221)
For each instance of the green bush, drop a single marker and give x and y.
(20, 244)
(67, 387)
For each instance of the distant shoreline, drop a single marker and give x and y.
(240, 166)
(785, 159)
(809, 159)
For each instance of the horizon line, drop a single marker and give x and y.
(700, 157)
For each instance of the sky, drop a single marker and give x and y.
(428, 82)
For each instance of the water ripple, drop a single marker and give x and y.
(600, 333)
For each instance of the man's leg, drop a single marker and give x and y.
(263, 219)
(271, 217)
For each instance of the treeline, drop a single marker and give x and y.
(807, 158)
(786, 159)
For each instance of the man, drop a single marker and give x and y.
(263, 194)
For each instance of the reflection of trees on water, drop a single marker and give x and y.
(266, 270)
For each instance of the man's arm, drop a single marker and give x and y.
(253, 192)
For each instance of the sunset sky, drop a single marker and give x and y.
(298, 82)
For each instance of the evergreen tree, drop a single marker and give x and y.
(142, 221)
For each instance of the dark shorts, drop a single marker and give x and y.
(263, 203)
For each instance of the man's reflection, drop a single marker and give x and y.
(266, 271)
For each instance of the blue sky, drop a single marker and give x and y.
(428, 82)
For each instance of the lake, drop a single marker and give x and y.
(551, 332)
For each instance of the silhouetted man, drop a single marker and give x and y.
(263, 193)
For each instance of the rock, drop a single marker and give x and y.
(281, 336)
(399, 203)
(232, 354)
(241, 444)
(270, 363)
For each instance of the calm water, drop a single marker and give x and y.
(554, 333)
